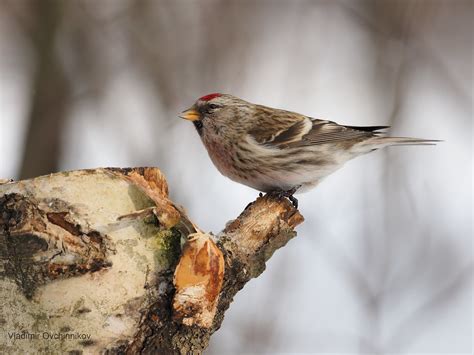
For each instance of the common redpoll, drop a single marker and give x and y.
(278, 151)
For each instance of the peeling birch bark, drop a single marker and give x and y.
(198, 281)
(101, 261)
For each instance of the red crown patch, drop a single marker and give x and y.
(210, 96)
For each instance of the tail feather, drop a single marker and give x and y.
(388, 141)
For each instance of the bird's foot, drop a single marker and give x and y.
(288, 194)
(294, 201)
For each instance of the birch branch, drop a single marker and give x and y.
(102, 261)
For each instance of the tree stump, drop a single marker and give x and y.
(102, 261)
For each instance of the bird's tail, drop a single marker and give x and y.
(389, 141)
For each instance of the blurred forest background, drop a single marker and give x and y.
(383, 263)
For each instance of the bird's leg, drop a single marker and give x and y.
(288, 194)
(294, 201)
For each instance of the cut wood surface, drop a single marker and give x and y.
(102, 261)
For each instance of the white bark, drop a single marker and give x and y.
(88, 257)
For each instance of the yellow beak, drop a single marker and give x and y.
(190, 115)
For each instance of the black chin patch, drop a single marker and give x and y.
(198, 125)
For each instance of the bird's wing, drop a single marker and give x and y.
(324, 131)
(278, 127)
(284, 129)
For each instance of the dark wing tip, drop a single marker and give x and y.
(367, 128)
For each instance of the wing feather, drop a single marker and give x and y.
(292, 130)
(330, 132)
(284, 128)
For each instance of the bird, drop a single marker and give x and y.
(278, 151)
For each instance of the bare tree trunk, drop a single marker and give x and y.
(50, 95)
(102, 261)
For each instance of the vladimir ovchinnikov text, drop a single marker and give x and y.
(25, 335)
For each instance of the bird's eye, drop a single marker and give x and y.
(213, 106)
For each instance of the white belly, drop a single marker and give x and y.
(267, 177)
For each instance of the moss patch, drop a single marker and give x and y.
(167, 247)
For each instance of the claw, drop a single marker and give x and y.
(294, 201)
(288, 194)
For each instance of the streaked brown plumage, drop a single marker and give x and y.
(279, 151)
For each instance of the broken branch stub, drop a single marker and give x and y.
(198, 281)
(95, 256)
